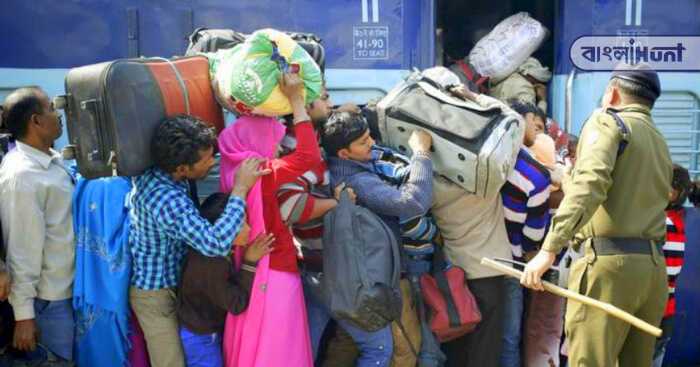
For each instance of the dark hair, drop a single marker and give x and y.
(635, 92)
(523, 108)
(341, 130)
(681, 183)
(213, 206)
(19, 107)
(179, 140)
(694, 193)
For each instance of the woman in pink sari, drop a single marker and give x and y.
(273, 331)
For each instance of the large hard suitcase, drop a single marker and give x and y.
(474, 147)
(113, 109)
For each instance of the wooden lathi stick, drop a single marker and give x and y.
(559, 291)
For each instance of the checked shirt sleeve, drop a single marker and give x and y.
(183, 222)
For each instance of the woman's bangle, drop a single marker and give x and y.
(248, 266)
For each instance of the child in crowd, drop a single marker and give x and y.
(210, 287)
(674, 249)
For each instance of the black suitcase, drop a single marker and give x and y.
(113, 108)
(211, 40)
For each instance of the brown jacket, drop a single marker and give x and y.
(210, 288)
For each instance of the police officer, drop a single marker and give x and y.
(614, 208)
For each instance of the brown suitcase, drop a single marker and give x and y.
(113, 108)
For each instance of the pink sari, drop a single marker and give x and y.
(273, 331)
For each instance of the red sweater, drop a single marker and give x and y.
(674, 249)
(285, 170)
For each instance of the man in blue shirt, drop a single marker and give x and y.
(165, 220)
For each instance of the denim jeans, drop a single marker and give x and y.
(318, 318)
(662, 342)
(376, 348)
(56, 325)
(201, 350)
(512, 323)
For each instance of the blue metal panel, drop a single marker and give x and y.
(64, 34)
(685, 344)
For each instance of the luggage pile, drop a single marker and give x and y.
(113, 108)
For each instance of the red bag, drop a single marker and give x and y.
(471, 79)
(452, 309)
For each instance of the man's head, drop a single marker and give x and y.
(346, 136)
(534, 120)
(28, 115)
(320, 109)
(572, 146)
(680, 186)
(637, 84)
(183, 146)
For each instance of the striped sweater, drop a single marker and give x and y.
(296, 201)
(674, 249)
(526, 204)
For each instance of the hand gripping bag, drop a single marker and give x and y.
(246, 76)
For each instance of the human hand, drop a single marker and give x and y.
(247, 175)
(532, 275)
(292, 87)
(529, 255)
(4, 284)
(243, 235)
(261, 246)
(420, 141)
(25, 335)
(339, 189)
(463, 92)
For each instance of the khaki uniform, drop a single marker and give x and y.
(615, 197)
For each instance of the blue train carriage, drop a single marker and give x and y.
(371, 45)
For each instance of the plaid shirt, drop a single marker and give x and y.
(164, 220)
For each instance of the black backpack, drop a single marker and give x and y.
(362, 267)
(212, 40)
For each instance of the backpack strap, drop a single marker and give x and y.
(467, 70)
(439, 265)
(623, 130)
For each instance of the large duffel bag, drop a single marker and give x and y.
(113, 108)
(206, 40)
(474, 147)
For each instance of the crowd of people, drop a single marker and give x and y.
(223, 283)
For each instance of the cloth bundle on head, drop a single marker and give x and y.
(508, 45)
(532, 67)
(246, 76)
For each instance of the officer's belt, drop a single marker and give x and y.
(623, 246)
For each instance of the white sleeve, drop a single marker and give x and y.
(24, 230)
